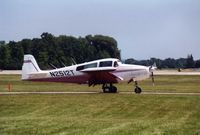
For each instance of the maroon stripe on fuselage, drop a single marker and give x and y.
(27, 61)
(73, 79)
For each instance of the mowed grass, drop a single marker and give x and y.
(162, 84)
(100, 114)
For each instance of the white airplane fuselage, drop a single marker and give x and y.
(101, 71)
(124, 72)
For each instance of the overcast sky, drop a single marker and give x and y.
(142, 28)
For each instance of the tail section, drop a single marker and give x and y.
(30, 66)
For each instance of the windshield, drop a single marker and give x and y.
(105, 64)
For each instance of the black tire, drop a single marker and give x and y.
(113, 89)
(106, 90)
(138, 90)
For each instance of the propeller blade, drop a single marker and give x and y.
(152, 77)
(151, 69)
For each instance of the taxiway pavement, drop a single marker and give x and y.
(90, 92)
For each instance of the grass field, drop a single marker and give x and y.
(100, 114)
(162, 83)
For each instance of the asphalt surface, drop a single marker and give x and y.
(143, 93)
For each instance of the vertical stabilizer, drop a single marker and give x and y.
(29, 66)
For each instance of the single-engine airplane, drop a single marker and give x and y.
(104, 71)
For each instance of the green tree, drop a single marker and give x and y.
(2, 43)
(58, 51)
(181, 63)
(197, 64)
(16, 55)
(102, 43)
(26, 45)
(4, 56)
(190, 62)
(169, 63)
(130, 61)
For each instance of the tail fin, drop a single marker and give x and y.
(30, 66)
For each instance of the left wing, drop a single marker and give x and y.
(101, 75)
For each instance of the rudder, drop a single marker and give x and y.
(29, 66)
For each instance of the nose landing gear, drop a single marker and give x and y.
(138, 90)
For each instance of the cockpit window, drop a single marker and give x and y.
(105, 64)
(116, 64)
(92, 65)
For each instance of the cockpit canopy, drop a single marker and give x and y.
(103, 63)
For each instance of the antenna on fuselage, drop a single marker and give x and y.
(62, 63)
(52, 66)
(73, 61)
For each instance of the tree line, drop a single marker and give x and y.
(64, 50)
(59, 51)
(182, 63)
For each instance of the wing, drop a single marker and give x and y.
(101, 75)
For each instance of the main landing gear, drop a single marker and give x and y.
(109, 88)
(138, 90)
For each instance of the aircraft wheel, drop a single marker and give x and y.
(113, 89)
(138, 90)
(106, 90)
(109, 89)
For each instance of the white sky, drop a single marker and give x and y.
(143, 28)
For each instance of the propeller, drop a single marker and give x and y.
(152, 77)
(151, 69)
